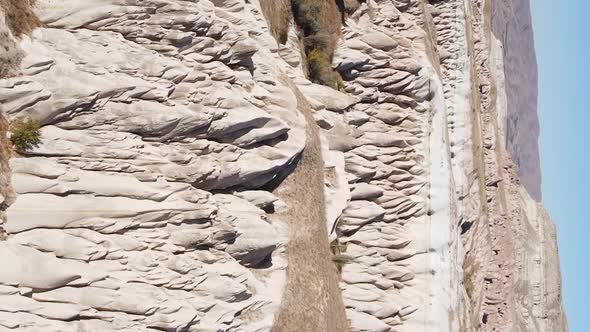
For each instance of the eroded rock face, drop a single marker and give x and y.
(155, 199)
(512, 25)
(144, 107)
(507, 235)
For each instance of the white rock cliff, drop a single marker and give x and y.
(189, 177)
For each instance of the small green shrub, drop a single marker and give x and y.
(320, 70)
(320, 24)
(25, 134)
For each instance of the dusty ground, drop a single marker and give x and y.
(312, 300)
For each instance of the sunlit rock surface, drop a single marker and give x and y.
(156, 198)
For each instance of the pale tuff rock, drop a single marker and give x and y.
(495, 211)
(111, 221)
(155, 199)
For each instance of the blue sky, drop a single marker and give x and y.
(562, 38)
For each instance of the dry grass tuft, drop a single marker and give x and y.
(278, 16)
(5, 174)
(20, 17)
(5, 145)
(320, 23)
(470, 270)
(341, 260)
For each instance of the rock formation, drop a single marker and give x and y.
(512, 25)
(190, 177)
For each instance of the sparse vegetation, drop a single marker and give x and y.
(25, 134)
(320, 70)
(20, 17)
(320, 24)
(312, 299)
(4, 143)
(338, 257)
(338, 248)
(469, 271)
(341, 260)
(5, 150)
(278, 16)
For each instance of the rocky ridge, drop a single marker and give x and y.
(156, 199)
(512, 25)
